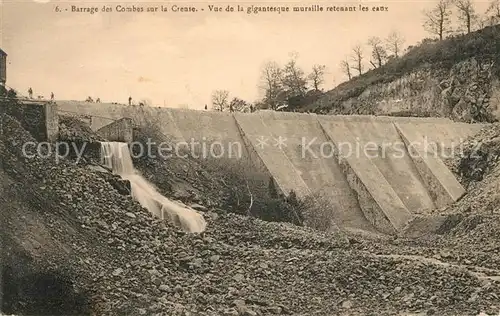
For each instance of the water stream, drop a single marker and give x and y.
(116, 156)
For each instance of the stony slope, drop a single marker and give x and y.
(112, 254)
(470, 237)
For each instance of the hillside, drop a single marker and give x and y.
(458, 77)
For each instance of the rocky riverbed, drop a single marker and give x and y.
(114, 258)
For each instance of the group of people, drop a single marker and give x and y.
(231, 109)
(130, 102)
(30, 95)
(98, 100)
(89, 99)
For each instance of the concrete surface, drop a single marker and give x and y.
(383, 146)
(311, 152)
(400, 176)
(438, 178)
(118, 131)
(51, 122)
(285, 174)
(379, 200)
(40, 118)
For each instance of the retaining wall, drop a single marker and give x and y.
(382, 189)
(118, 131)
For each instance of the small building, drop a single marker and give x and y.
(3, 67)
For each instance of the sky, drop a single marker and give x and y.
(177, 59)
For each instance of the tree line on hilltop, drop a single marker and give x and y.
(289, 87)
(280, 87)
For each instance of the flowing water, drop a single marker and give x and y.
(116, 156)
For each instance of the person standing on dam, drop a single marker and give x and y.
(206, 107)
(52, 96)
(30, 93)
(129, 100)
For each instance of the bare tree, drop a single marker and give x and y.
(317, 76)
(239, 105)
(271, 84)
(357, 58)
(346, 68)
(220, 99)
(437, 20)
(493, 13)
(395, 43)
(379, 54)
(293, 79)
(466, 14)
(482, 22)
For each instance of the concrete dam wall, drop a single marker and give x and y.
(374, 173)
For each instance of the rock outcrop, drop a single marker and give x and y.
(468, 92)
(456, 78)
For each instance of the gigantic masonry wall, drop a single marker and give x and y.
(383, 192)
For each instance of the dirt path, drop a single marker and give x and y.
(480, 272)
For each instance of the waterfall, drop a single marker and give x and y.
(116, 156)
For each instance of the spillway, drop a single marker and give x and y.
(116, 156)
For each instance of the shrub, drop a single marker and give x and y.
(279, 209)
(318, 212)
(10, 93)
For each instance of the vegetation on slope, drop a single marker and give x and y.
(225, 186)
(479, 157)
(483, 44)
